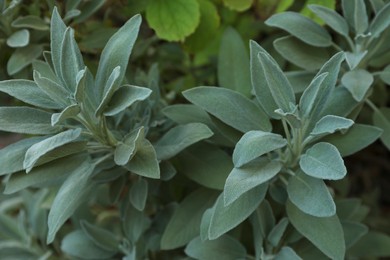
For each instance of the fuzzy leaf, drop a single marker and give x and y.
(55, 91)
(373, 244)
(330, 124)
(23, 57)
(111, 86)
(57, 31)
(354, 58)
(381, 21)
(126, 149)
(355, 13)
(331, 18)
(357, 82)
(139, 194)
(68, 112)
(381, 119)
(277, 232)
(287, 253)
(19, 39)
(353, 232)
(100, 236)
(31, 22)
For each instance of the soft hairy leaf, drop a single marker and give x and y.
(19, 39)
(381, 119)
(355, 13)
(323, 161)
(331, 18)
(110, 87)
(126, 149)
(357, 82)
(179, 138)
(139, 194)
(341, 104)
(330, 124)
(287, 253)
(31, 22)
(301, 27)
(26, 120)
(254, 144)
(311, 195)
(263, 219)
(224, 247)
(184, 224)
(381, 21)
(100, 236)
(173, 20)
(52, 89)
(135, 223)
(354, 58)
(230, 107)
(68, 112)
(277, 232)
(241, 180)
(225, 218)
(22, 57)
(373, 244)
(57, 31)
(238, 5)
(325, 233)
(233, 63)
(353, 232)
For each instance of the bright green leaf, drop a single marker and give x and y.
(238, 5)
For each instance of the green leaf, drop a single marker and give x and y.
(355, 14)
(308, 13)
(241, 180)
(352, 141)
(124, 97)
(78, 244)
(254, 144)
(277, 232)
(19, 39)
(287, 253)
(301, 54)
(26, 120)
(139, 194)
(57, 31)
(325, 233)
(173, 20)
(135, 223)
(353, 232)
(224, 247)
(68, 112)
(230, 107)
(87, 9)
(28, 92)
(311, 195)
(55, 91)
(73, 192)
(301, 27)
(184, 224)
(381, 21)
(330, 124)
(331, 18)
(225, 218)
(81, 85)
(17, 250)
(277, 82)
(179, 138)
(341, 103)
(101, 237)
(238, 5)
(354, 58)
(357, 82)
(264, 219)
(39, 150)
(117, 52)
(381, 119)
(373, 244)
(111, 86)
(22, 57)
(126, 149)
(31, 22)
(233, 63)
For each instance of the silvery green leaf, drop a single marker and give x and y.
(12, 156)
(12, 249)
(68, 112)
(301, 54)
(19, 39)
(139, 194)
(373, 244)
(28, 92)
(57, 31)
(330, 124)
(179, 138)
(135, 223)
(22, 57)
(331, 18)
(117, 52)
(72, 193)
(39, 150)
(341, 103)
(353, 232)
(56, 92)
(377, 5)
(325, 233)
(263, 218)
(323, 161)
(308, 103)
(10, 229)
(287, 253)
(87, 9)
(254, 144)
(144, 162)
(167, 171)
(199, 160)
(353, 59)
(241, 180)
(124, 97)
(81, 85)
(31, 22)
(357, 82)
(311, 195)
(101, 237)
(259, 84)
(71, 14)
(301, 27)
(299, 79)
(184, 224)
(381, 21)
(381, 118)
(205, 224)
(45, 70)
(293, 117)
(230, 107)
(78, 244)
(225, 218)
(110, 87)
(277, 82)
(385, 75)
(356, 15)
(126, 149)
(277, 232)
(26, 120)
(225, 247)
(233, 63)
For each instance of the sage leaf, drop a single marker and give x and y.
(237, 211)
(80, 89)
(26, 120)
(381, 118)
(68, 112)
(57, 31)
(254, 144)
(72, 193)
(224, 247)
(357, 82)
(323, 161)
(19, 39)
(277, 232)
(353, 232)
(110, 87)
(330, 124)
(263, 218)
(301, 27)
(45, 70)
(126, 149)
(355, 14)
(373, 244)
(331, 18)
(287, 253)
(325, 233)
(311, 195)
(135, 223)
(354, 58)
(381, 21)
(139, 194)
(31, 22)
(308, 100)
(341, 104)
(233, 63)
(55, 91)
(117, 52)
(100, 236)
(22, 57)
(28, 92)
(230, 107)
(184, 224)
(241, 180)
(179, 138)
